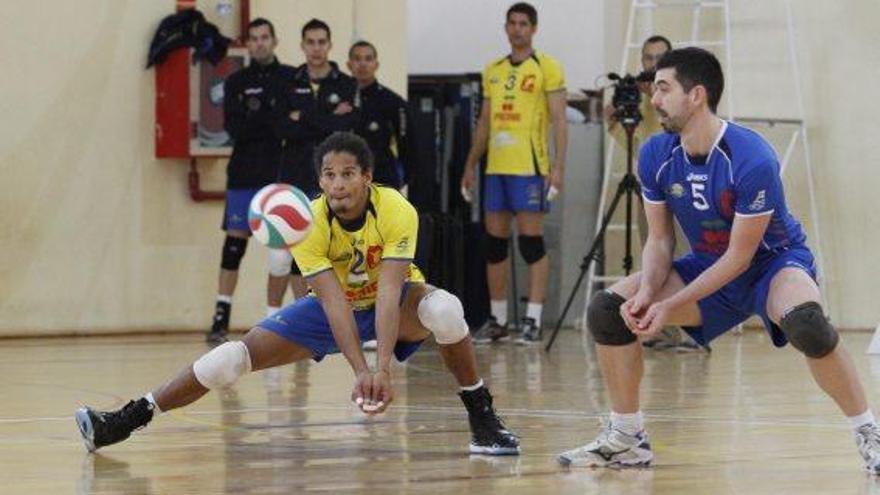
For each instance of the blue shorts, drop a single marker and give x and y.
(744, 296)
(304, 323)
(516, 193)
(235, 217)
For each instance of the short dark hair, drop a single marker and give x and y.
(347, 142)
(315, 24)
(657, 39)
(523, 8)
(261, 21)
(363, 43)
(696, 66)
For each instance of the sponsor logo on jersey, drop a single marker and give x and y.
(333, 98)
(528, 83)
(759, 202)
(676, 190)
(508, 116)
(368, 290)
(503, 139)
(374, 256)
(374, 126)
(402, 244)
(493, 80)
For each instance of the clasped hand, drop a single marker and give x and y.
(372, 391)
(643, 317)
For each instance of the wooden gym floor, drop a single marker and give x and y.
(747, 419)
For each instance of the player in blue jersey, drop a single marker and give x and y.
(748, 256)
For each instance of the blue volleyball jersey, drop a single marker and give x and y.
(739, 176)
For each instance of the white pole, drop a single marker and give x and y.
(728, 60)
(814, 211)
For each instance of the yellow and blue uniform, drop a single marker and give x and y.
(354, 253)
(519, 118)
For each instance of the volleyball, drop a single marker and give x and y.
(280, 216)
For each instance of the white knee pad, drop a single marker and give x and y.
(442, 314)
(279, 262)
(223, 365)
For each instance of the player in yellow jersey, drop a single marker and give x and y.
(358, 260)
(523, 95)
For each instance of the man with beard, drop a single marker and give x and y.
(721, 182)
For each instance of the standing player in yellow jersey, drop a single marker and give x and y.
(358, 261)
(523, 94)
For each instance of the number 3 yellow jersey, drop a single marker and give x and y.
(519, 120)
(389, 232)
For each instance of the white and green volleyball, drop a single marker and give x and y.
(280, 216)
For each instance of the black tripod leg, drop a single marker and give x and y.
(585, 263)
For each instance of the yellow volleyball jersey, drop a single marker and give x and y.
(519, 118)
(389, 232)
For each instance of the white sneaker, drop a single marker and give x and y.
(370, 345)
(612, 448)
(868, 441)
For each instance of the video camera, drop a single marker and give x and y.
(627, 96)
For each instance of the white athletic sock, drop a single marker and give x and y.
(863, 419)
(270, 310)
(499, 311)
(225, 299)
(471, 388)
(630, 424)
(152, 400)
(534, 311)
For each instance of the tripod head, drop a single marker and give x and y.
(627, 98)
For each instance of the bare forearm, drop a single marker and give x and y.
(727, 268)
(656, 263)
(560, 136)
(344, 330)
(480, 142)
(387, 322)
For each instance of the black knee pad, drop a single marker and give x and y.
(809, 331)
(605, 322)
(496, 248)
(531, 247)
(294, 268)
(233, 252)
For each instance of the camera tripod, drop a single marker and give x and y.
(628, 186)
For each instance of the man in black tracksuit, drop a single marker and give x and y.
(383, 119)
(319, 100)
(251, 96)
